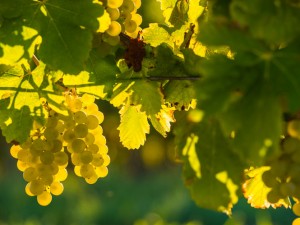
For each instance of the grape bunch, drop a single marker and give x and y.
(123, 19)
(77, 137)
(284, 175)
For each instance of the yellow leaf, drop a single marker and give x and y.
(256, 191)
(133, 126)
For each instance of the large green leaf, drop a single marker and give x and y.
(64, 26)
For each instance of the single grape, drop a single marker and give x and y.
(113, 13)
(92, 122)
(130, 26)
(44, 198)
(57, 146)
(78, 145)
(92, 180)
(296, 221)
(87, 170)
(296, 208)
(293, 128)
(97, 160)
(56, 188)
(93, 148)
(81, 130)
(30, 174)
(100, 116)
(60, 127)
(287, 189)
(36, 187)
(61, 158)
(76, 160)
(137, 3)
(23, 155)
(114, 3)
(14, 150)
(61, 175)
(22, 165)
(47, 157)
(75, 105)
(106, 160)
(47, 179)
(114, 29)
(27, 190)
(128, 6)
(101, 171)
(51, 133)
(80, 117)
(137, 18)
(89, 139)
(77, 171)
(69, 136)
(92, 108)
(86, 157)
(112, 40)
(274, 196)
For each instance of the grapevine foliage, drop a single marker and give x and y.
(231, 68)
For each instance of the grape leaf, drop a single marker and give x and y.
(133, 126)
(121, 92)
(162, 120)
(148, 95)
(215, 186)
(23, 89)
(179, 93)
(255, 191)
(62, 24)
(156, 35)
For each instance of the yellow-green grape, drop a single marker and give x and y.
(127, 7)
(51, 133)
(293, 128)
(43, 169)
(87, 170)
(81, 130)
(130, 26)
(101, 171)
(100, 116)
(97, 132)
(112, 40)
(44, 198)
(103, 149)
(69, 122)
(61, 158)
(113, 13)
(114, 3)
(100, 140)
(92, 108)
(51, 122)
(22, 165)
(36, 187)
(27, 190)
(37, 147)
(80, 117)
(60, 126)
(296, 208)
(47, 157)
(93, 148)
(86, 157)
(56, 188)
(77, 171)
(114, 28)
(137, 3)
(78, 145)
(69, 136)
(57, 146)
(53, 168)
(291, 144)
(61, 175)
(106, 160)
(92, 122)
(30, 174)
(97, 160)
(14, 150)
(76, 160)
(296, 221)
(92, 180)
(137, 18)
(89, 139)
(47, 179)
(24, 155)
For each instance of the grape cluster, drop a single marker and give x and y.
(283, 177)
(43, 158)
(123, 19)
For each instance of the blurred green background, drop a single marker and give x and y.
(143, 187)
